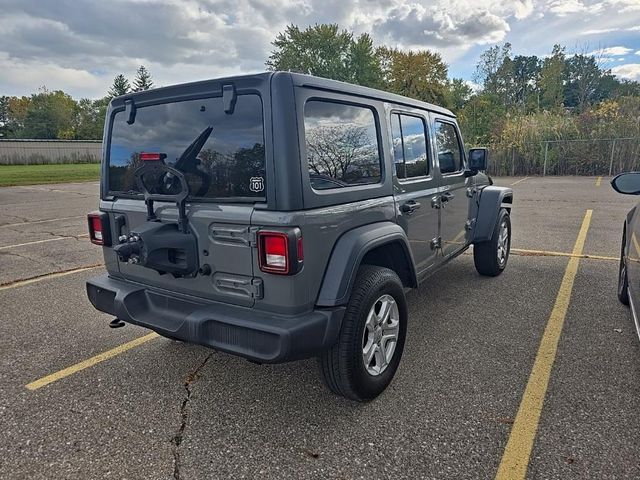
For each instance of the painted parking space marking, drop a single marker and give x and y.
(598, 181)
(46, 240)
(518, 181)
(547, 253)
(35, 222)
(515, 459)
(90, 362)
(47, 276)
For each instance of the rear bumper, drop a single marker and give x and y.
(256, 335)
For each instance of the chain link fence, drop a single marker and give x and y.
(602, 156)
(37, 152)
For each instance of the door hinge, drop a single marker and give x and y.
(469, 224)
(256, 288)
(436, 243)
(253, 236)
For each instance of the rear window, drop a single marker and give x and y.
(342, 145)
(230, 162)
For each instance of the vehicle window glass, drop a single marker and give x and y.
(409, 146)
(342, 145)
(226, 158)
(448, 144)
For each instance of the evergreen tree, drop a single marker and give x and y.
(120, 86)
(143, 80)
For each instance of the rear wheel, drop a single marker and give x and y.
(364, 360)
(491, 257)
(623, 279)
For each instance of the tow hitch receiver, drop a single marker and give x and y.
(166, 247)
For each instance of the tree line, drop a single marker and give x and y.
(516, 100)
(56, 115)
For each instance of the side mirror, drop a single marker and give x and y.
(627, 183)
(478, 159)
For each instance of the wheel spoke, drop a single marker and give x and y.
(368, 352)
(381, 358)
(390, 329)
(385, 310)
(371, 320)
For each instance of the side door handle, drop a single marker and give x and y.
(446, 196)
(409, 207)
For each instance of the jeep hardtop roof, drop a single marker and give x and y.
(260, 81)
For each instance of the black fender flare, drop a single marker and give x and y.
(489, 203)
(348, 253)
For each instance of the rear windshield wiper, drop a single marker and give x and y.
(188, 161)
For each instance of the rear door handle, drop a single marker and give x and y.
(410, 206)
(446, 196)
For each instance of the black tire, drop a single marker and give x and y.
(342, 366)
(623, 279)
(485, 254)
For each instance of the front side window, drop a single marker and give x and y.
(409, 146)
(221, 154)
(448, 144)
(342, 145)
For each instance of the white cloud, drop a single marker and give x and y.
(611, 51)
(598, 31)
(566, 7)
(630, 71)
(19, 77)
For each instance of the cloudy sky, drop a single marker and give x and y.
(80, 45)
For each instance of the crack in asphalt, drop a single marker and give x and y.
(184, 414)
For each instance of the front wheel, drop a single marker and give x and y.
(364, 360)
(491, 257)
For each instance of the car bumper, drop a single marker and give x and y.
(259, 336)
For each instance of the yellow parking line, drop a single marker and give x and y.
(54, 377)
(518, 181)
(544, 253)
(515, 459)
(634, 240)
(598, 181)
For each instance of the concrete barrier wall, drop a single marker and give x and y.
(33, 152)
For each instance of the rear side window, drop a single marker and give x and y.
(448, 144)
(409, 146)
(342, 145)
(222, 155)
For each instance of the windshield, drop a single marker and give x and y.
(221, 155)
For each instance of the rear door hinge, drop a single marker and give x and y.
(256, 288)
(253, 236)
(436, 243)
(470, 224)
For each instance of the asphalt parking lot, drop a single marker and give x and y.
(471, 391)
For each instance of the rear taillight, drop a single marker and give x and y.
(99, 232)
(280, 252)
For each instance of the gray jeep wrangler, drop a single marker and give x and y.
(281, 216)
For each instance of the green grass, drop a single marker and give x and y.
(34, 174)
